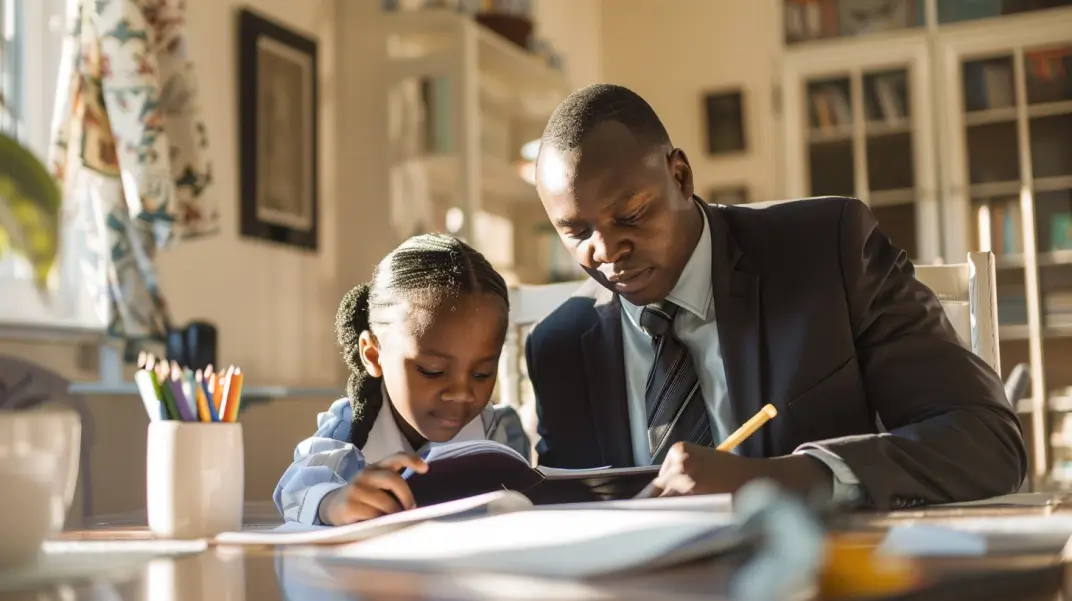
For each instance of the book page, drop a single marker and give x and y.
(471, 447)
(557, 473)
(293, 533)
(551, 543)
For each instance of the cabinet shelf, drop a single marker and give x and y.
(988, 116)
(1050, 109)
(902, 125)
(426, 41)
(501, 181)
(464, 101)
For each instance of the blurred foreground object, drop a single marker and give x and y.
(798, 558)
(29, 209)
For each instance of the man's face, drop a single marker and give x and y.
(624, 210)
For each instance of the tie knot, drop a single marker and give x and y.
(656, 318)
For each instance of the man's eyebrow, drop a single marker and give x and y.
(567, 223)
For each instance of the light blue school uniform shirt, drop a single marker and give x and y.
(328, 460)
(697, 329)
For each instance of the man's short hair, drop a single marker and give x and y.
(590, 106)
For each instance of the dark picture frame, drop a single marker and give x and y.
(278, 132)
(729, 195)
(724, 120)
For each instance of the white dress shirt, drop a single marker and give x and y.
(695, 326)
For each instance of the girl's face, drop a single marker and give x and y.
(440, 379)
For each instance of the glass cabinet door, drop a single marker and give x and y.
(861, 143)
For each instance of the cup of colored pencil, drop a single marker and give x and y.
(174, 392)
(195, 457)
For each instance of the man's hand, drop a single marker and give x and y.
(369, 495)
(694, 470)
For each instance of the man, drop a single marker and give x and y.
(697, 315)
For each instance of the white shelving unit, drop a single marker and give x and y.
(463, 101)
(988, 110)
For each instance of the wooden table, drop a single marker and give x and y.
(264, 574)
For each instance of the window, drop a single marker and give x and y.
(30, 49)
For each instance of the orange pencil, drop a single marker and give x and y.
(203, 412)
(234, 396)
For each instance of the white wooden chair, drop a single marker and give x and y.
(968, 293)
(966, 290)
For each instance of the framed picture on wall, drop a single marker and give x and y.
(728, 195)
(724, 119)
(278, 137)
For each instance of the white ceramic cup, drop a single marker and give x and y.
(39, 452)
(195, 483)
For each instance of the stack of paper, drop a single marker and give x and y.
(552, 543)
(293, 533)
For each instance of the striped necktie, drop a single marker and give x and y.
(676, 410)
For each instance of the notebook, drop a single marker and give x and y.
(554, 543)
(465, 469)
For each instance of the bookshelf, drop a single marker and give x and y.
(463, 101)
(1008, 129)
(980, 158)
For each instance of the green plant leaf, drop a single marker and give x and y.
(29, 208)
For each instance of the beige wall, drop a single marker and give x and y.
(575, 29)
(672, 52)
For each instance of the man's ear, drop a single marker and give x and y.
(370, 354)
(681, 172)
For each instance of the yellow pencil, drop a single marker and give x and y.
(748, 428)
(732, 441)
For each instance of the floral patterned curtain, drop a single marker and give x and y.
(130, 151)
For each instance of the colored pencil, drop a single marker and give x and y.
(171, 391)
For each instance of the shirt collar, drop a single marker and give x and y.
(385, 438)
(693, 289)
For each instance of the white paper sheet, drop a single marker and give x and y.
(1029, 499)
(716, 503)
(563, 543)
(293, 533)
(922, 540)
(974, 538)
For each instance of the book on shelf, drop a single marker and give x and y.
(831, 106)
(988, 85)
(890, 97)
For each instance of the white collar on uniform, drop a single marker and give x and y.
(386, 439)
(692, 291)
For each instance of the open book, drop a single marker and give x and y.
(465, 469)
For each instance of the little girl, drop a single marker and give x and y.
(422, 341)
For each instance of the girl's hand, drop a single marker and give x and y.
(366, 496)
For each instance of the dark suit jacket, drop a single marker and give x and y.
(821, 315)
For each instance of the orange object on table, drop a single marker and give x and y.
(853, 569)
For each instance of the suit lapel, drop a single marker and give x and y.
(737, 307)
(604, 368)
